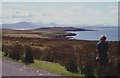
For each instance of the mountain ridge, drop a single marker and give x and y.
(47, 27)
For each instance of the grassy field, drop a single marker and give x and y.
(23, 35)
(34, 33)
(57, 55)
(53, 67)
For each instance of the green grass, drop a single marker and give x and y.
(53, 67)
(48, 66)
(1, 54)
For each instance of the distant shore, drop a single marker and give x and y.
(49, 32)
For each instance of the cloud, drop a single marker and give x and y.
(62, 14)
(84, 10)
(114, 11)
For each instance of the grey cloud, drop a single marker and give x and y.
(46, 14)
(17, 12)
(20, 16)
(30, 15)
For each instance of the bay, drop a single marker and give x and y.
(111, 33)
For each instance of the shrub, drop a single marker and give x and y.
(17, 51)
(71, 63)
(5, 50)
(28, 55)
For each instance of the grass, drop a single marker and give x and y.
(1, 54)
(83, 50)
(23, 35)
(47, 66)
(53, 67)
(33, 34)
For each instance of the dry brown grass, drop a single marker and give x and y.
(23, 35)
(62, 50)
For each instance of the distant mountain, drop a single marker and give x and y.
(28, 25)
(20, 25)
(48, 27)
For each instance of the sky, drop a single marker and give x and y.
(59, 0)
(64, 13)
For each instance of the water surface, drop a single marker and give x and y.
(111, 33)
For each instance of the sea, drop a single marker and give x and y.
(110, 32)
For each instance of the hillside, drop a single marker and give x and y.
(13, 30)
(73, 54)
(63, 29)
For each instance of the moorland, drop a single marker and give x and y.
(53, 46)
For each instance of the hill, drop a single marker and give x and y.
(20, 25)
(63, 29)
(46, 27)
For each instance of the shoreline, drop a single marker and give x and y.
(59, 39)
(63, 33)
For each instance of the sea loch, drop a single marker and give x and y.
(111, 33)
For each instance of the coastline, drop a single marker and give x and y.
(62, 33)
(49, 32)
